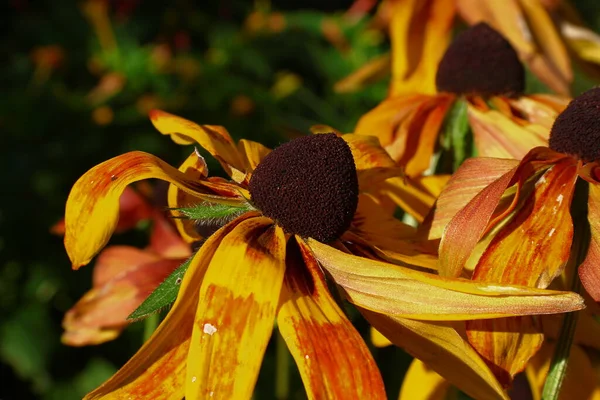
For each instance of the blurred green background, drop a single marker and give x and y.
(78, 79)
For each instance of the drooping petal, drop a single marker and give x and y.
(93, 205)
(399, 291)
(589, 270)
(531, 249)
(333, 360)
(236, 309)
(102, 313)
(165, 241)
(115, 260)
(441, 347)
(158, 369)
(215, 139)
(581, 379)
(423, 383)
(420, 32)
(498, 136)
(470, 178)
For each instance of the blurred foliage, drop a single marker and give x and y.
(78, 79)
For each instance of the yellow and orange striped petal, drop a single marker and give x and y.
(404, 292)
(92, 208)
(471, 178)
(411, 195)
(442, 348)
(252, 154)
(333, 359)
(158, 369)
(215, 139)
(589, 270)
(423, 383)
(236, 310)
(420, 32)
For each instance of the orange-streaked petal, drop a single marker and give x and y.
(236, 310)
(165, 240)
(399, 291)
(158, 369)
(470, 178)
(215, 139)
(497, 136)
(589, 270)
(115, 260)
(252, 153)
(102, 313)
(581, 379)
(93, 205)
(333, 360)
(423, 383)
(420, 32)
(443, 349)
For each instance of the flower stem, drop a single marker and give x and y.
(581, 240)
(282, 369)
(150, 325)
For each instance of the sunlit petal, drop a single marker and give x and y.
(236, 309)
(394, 290)
(444, 350)
(333, 360)
(215, 139)
(93, 205)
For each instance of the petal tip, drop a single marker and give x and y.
(155, 114)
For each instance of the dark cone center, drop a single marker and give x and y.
(576, 131)
(308, 186)
(481, 61)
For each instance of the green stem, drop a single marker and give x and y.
(150, 325)
(581, 239)
(282, 369)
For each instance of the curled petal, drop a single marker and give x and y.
(441, 347)
(93, 205)
(398, 291)
(215, 139)
(235, 313)
(333, 360)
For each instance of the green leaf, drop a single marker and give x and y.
(458, 131)
(163, 296)
(213, 211)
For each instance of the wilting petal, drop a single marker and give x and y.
(93, 205)
(498, 136)
(470, 178)
(531, 249)
(165, 241)
(581, 379)
(394, 290)
(102, 313)
(157, 370)
(236, 310)
(333, 360)
(215, 139)
(420, 32)
(423, 383)
(589, 271)
(443, 349)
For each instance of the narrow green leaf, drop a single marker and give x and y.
(458, 129)
(163, 296)
(212, 211)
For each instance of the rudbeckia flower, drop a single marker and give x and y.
(479, 75)
(522, 222)
(123, 278)
(301, 211)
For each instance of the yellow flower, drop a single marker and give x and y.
(512, 222)
(304, 208)
(479, 68)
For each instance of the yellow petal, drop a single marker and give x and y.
(333, 360)
(253, 153)
(420, 32)
(581, 379)
(215, 139)
(409, 195)
(157, 370)
(378, 339)
(398, 291)
(423, 383)
(470, 178)
(236, 310)
(589, 270)
(93, 205)
(443, 349)
(370, 72)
